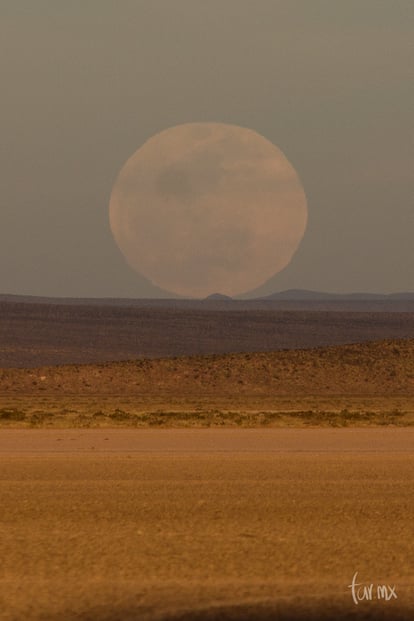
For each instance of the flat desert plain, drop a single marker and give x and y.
(142, 479)
(223, 524)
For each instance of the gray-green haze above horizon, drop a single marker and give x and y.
(84, 85)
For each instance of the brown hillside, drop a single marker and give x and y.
(375, 368)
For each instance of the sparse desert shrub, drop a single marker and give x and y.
(82, 421)
(43, 413)
(11, 414)
(39, 417)
(121, 415)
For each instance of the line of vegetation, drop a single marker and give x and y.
(12, 417)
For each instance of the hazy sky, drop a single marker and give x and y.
(84, 83)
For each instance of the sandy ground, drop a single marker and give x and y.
(390, 440)
(205, 524)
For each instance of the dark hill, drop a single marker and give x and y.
(46, 334)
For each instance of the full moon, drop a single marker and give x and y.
(205, 208)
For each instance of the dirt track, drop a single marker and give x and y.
(211, 524)
(195, 441)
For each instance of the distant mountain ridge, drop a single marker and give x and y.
(305, 294)
(289, 295)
